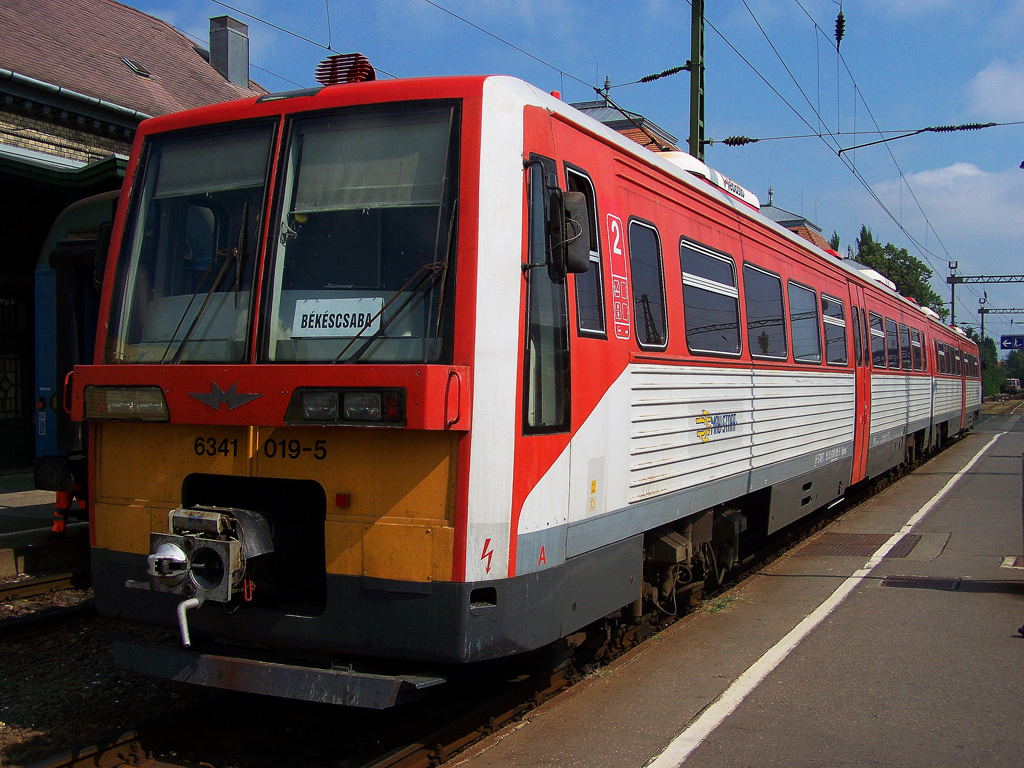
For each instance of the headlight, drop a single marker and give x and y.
(125, 403)
(356, 407)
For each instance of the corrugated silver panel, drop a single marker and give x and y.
(796, 414)
(687, 426)
(920, 402)
(948, 396)
(890, 396)
(973, 394)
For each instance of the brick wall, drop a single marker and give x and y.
(59, 138)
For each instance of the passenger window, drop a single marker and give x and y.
(892, 340)
(940, 358)
(905, 347)
(915, 349)
(835, 330)
(590, 316)
(648, 282)
(857, 357)
(803, 324)
(766, 315)
(711, 308)
(877, 341)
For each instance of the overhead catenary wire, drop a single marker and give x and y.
(834, 146)
(925, 251)
(829, 138)
(289, 32)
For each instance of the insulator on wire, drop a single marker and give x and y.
(965, 127)
(739, 141)
(666, 73)
(840, 28)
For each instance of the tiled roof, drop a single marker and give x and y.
(79, 44)
(815, 237)
(625, 122)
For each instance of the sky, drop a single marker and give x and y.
(772, 70)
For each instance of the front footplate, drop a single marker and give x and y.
(325, 685)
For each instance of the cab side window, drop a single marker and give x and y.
(590, 315)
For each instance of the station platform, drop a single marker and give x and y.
(890, 638)
(26, 520)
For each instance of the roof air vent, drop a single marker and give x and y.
(135, 67)
(345, 68)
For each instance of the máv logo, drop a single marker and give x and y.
(218, 397)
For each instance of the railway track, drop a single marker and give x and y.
(37, 585)
(44, 618)
(424, 734)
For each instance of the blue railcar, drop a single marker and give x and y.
(66, 305)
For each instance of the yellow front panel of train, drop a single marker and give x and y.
(389, 493)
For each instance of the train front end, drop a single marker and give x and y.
(280, 401)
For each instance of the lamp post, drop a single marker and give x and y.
(982, 311)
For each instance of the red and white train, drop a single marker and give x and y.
(442, 370)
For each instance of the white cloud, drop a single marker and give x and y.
(965, 204)
(997, 92)
(905, 8)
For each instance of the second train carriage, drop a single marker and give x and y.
(347, 402)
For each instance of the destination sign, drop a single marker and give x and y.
(336, 318)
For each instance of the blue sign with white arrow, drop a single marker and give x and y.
(1011, 342)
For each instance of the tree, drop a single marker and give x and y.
(834, 241)
(992, 375)
(910, 274)
(1013, 366)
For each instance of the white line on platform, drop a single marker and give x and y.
(713, 715)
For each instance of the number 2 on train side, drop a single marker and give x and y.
(620, 287)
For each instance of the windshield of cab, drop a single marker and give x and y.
(184, 280)
(363, 252)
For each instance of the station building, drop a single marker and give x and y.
(76, 79)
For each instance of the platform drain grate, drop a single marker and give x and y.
(857, 545)
(922, 582)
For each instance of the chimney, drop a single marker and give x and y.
(229, 49)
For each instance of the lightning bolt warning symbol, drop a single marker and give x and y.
(488, 553)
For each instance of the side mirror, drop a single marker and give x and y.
(568, 233)
(577, 226)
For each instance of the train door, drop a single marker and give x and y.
(961, 374)
(862, 369)
(542, 463)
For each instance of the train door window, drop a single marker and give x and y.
(590, 316)
(711, 306)
(803, 324)
(856, 335)
(866, 333)
(766, 315)
(905, 356)
(648, 282)
(877, 341)
(835, 330)
(940, 358)
(546, 356)
(892, 344)
(915, 349)
(956, 362)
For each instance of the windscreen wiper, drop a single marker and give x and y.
(429, 272)
(236, 256)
